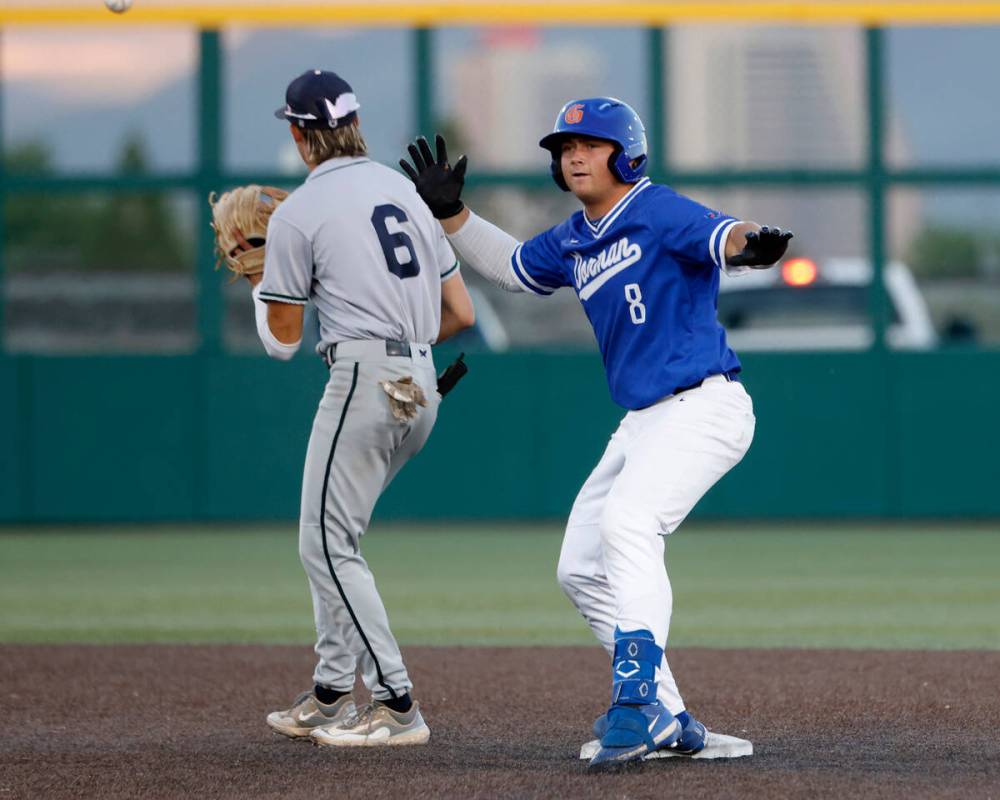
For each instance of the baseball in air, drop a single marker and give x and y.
(118, 6)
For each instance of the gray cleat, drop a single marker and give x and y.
(375, 724)
(307, 713)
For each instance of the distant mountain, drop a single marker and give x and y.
(90, 137)
(941, 83)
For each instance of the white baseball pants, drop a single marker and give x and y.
(658, 464)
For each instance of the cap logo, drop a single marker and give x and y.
(574, 114)
(345, 104)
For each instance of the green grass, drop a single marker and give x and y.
(924, 587)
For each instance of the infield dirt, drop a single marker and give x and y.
(168, 722)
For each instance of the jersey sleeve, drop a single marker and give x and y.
(696, 233)
(447, 260)
(288, 264)
(537, 264)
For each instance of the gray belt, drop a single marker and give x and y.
(393, 347)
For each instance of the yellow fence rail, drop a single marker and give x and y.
(487, 12)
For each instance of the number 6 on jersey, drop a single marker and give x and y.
(636, 310)
(394, 241)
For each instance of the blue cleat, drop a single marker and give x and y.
(637, 723)
(692, 739)
(634, 731)
(693, 735)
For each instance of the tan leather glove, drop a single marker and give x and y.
(239, 219)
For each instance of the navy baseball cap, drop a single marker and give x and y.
(319, 99)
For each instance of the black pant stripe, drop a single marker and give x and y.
(326, 549)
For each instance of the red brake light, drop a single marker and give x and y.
(799, 271)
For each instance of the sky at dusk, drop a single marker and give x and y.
(940, 80)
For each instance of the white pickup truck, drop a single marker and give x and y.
(807, 305)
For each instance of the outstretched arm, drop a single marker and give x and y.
(478, 243)
(750, 245)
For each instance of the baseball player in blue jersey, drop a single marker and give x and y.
(645, 263)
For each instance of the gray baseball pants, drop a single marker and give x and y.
(355, 450)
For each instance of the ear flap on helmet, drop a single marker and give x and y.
(623, 168)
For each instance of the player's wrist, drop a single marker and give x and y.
(453, 223)
(446, 211)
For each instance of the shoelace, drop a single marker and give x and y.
(361, 716)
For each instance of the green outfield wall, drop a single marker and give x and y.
(223, 438)
(212, 436)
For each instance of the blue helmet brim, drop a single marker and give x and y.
(553, 140)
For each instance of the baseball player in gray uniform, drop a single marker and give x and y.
(357, 241)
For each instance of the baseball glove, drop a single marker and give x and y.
(239, 219)
(404, 397)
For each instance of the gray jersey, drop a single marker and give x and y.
(358, 241)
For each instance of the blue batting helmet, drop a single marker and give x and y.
(602, 118)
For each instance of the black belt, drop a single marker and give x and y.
(393, 347)
(731, 376)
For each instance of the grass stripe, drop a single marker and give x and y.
(922, 587)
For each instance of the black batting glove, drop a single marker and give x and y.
(438, 183)
(763, 248)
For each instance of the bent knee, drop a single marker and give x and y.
(310, 545)
(568, 577)
(573, 570)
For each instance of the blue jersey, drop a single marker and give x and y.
(647, 274)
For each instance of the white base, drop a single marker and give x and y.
(717, 745)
